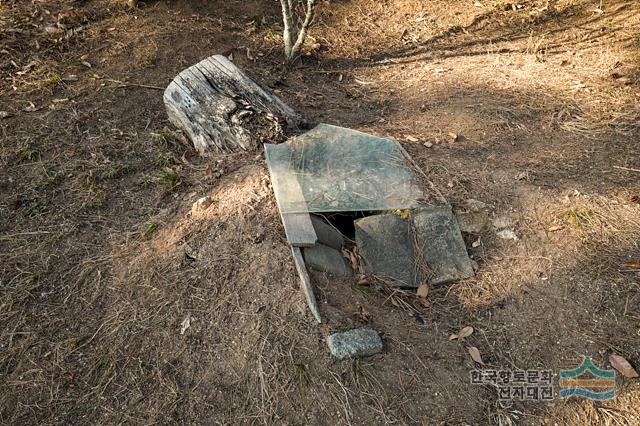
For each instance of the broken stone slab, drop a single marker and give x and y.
(440, 245)
(327, 234)
(384, 243)
(326, 259)
(356, 343)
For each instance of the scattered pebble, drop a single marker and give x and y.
(355, 343)
(508, 234)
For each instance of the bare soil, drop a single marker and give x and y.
(102, 258)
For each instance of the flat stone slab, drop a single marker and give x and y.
(326, 259)
(327, 234)
(356, 343)
(440, 245)
(385, 244)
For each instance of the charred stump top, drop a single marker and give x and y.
(222, 110)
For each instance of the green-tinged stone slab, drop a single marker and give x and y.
(340, 170)
(384, 243)
(440, 245)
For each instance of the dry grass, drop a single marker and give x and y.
(102, 257)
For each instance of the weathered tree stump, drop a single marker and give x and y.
(222, 110)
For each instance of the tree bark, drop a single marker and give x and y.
(222, 110)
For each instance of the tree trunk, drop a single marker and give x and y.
(222, 110)
(293, 36)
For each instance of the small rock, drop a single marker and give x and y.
(386, 247)
(201, 205)
(326, 259)
(185, 324)
(5, 114)
(428, 144)
(441, 245)
(327, 234)
(508, 234)
(473, 216)
(501, 221)
(473, 222)
(358, 343)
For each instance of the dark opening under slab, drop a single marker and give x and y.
(343, 221)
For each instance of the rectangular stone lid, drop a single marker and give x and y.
(332, 169)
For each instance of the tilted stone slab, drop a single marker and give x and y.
(440, 245)
(384, 243)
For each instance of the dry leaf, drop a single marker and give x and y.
(411, 138)
(423, 290)
(453, 136)
(555, 228)
(475, 354)
(31, 108)
(422, 293)
(363, 282)
(623, 366)
(465, 332)
(394, 302)
(185, 324)
(363, 314)
(633, 264)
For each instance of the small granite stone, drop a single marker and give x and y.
(441, 245)
(385, 244)
(356, 343)
(326, 259)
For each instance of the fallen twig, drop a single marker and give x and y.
(629, 169)
(125, 84)
(415, 165)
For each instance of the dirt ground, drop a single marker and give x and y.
(102, 258)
